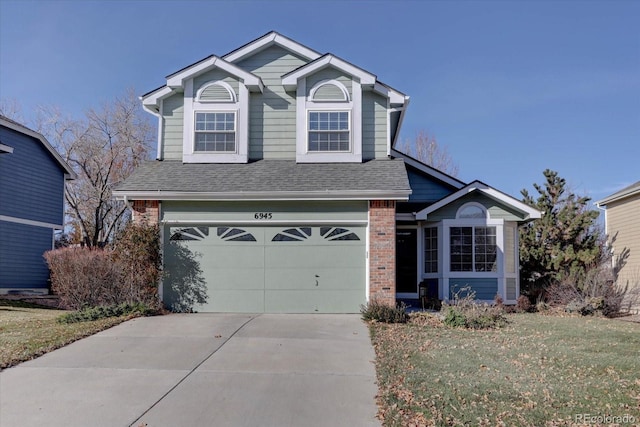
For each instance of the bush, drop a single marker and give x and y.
(125, 272)
(523, 304)
(384, 313)
(465, 312)
(100, 312)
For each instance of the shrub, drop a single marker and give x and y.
(523, 305)
(466, 312)
(124, 272)
(83, 277)
(100, 312)
(384, 313)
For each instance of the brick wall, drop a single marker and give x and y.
(146, 212)
(382, 251)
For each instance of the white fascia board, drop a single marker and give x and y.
(250, 80)
(268, 40)
(435, 173)
(151, 102)
(635, 189)
(490, 192)
(25, 130)
(6, 149)
(395, 97)
(398, 195)
(290, 80)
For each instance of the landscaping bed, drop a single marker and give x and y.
(537, 370)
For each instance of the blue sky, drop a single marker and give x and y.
(510, 88)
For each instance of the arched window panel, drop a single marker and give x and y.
(472, 211)
(329, 91)
(216, 92)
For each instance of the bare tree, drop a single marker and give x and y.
(425, 148)
(103, 148)
(11, 108)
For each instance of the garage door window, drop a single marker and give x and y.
(336, 233)
(191, 233)
(235, 234)
(293, 235)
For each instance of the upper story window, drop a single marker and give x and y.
(329, 131)
(330, 123)
(215, 132)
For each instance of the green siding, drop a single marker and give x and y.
(173, 111)
(374, 126)
(243, 212)
(485, 288)
(496, 209)
(272, 114)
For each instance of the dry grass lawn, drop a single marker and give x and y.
(28, 331)
(538, 371)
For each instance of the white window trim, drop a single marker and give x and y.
(241, 109)
(331, 110)
(305, 104)
(235, 127)
(446, 253)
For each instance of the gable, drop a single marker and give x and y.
(425, 188)
(496, 209)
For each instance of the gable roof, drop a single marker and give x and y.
(479, 186)
(267, 180)
(175, 81)
(268, 40)
(290, 79)
(621, 194)
(11, 124)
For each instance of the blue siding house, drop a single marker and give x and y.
(32, 180)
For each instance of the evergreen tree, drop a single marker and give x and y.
(564, 243)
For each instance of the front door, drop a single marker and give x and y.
(406, 261)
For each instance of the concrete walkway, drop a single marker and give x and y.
(201, 370)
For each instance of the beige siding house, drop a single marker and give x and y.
(622, 221)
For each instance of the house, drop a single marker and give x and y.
(277, 174)
(622, 223)
(32, 182)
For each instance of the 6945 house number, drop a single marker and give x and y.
(263, 215)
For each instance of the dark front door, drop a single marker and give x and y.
(406, 260)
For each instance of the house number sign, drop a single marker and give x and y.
(263, 215)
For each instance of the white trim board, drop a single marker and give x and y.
(30, 222)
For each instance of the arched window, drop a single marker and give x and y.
(215, 118)
(329, 90)
(472, 211)
(216, 92)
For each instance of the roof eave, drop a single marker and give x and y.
(397, 195)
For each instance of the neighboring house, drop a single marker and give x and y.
(32, 180)
(622, 223)
(277, 172)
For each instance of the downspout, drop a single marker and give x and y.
(160, 117)
(400, 120)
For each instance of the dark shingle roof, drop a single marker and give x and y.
(268, 176)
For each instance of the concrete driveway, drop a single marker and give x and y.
(201, 370)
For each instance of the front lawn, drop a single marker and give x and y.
(28, 331)
(539, 370)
